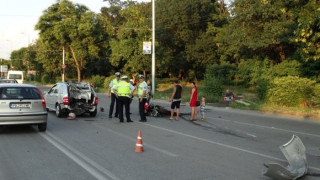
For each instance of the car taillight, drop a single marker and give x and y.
(44, 103)
(65, 101)
(42, 98)
(95, 101)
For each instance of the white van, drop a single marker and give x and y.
(17, 75)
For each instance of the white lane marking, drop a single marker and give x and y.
(261, 126)
(145, 144)
(252, 135)
(82, 160)
(220, 144)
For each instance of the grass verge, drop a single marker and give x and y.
(310, 112)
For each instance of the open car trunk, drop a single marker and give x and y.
(81, 97)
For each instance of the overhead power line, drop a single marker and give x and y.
(18, 15)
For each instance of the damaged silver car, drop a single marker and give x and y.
(76, 97)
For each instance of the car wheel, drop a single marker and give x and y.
(94, 113)
(58, 110)
(42, 127)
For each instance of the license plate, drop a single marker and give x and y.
(20, 106)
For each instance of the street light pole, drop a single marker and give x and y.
(153, 46)
(63, 66)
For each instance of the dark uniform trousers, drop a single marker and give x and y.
(126, 102)
(141, 109)
(114, 99)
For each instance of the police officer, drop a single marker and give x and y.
(142, 94)
(123, 90)
(112, 84)
(131, 98)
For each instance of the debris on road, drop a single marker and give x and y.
(295, 153)
(71, 116)
(157, 111)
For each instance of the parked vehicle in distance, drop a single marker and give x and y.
(22, 104)
(8, 81)
(17, 75)
(66, 97)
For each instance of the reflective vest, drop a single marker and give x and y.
(123, 89)
(140, 90)
(114, 83)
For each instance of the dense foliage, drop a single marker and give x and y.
(97, 81)
(292, 91)
(212, 88)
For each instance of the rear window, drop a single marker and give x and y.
(15, 76)
(19, 93)
(7, 81)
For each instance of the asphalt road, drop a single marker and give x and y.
(228, 145)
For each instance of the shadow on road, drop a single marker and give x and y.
(17, 129)
(218, 129)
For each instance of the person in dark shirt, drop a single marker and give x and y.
(229, 96)
(176, 99)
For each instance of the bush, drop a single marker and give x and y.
(262, 89)
(38, 78)
(223, 72)
(45, 79)
(58, 79)
(286, 68)
(291, 91)
(252, 70)
(212, 88)
(31, 77)
(107, 80)
(97, 80)
(248, 72)
(316, 96)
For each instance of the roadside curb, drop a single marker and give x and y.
(245, 112)
(238, 111)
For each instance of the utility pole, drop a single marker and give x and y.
(1, 68)
(63, 65)
(153, 47)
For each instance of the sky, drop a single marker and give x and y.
(19, 17)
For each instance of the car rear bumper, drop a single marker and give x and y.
(23, 118)
(86, 108)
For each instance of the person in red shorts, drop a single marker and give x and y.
(193, 102)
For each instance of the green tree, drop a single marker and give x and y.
(49, 55)
(204, 51)
(18, 59)
(259, 28)
(126, 45)
(30, 56)
(72, 26)
(307, 35)
(183, 44)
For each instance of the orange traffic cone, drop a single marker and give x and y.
(139, 146)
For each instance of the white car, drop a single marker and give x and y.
(67, 97)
